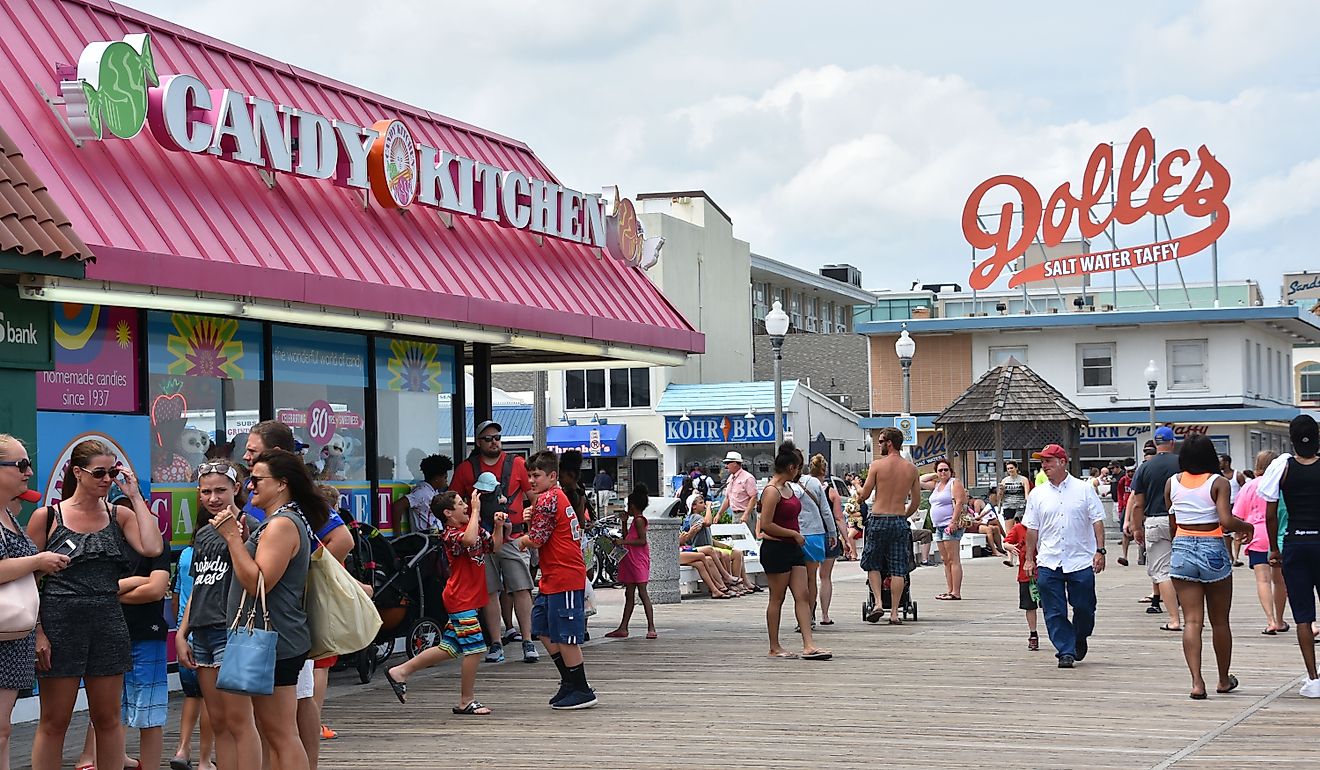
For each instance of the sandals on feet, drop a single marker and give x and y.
(473, 709)
(1232, 685)
(617, 634)
(817, 655)
(1167, 627)
(783, 655)
(400, 688)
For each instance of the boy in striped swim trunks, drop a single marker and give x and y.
(468, 546)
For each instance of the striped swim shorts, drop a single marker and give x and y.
(462, 635)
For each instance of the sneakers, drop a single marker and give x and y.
(530, 655)
(1082, 649)
(1066, 661)
(574, 700)
(328, 734)
(1311, 689)
(496, 654)
(564, 689)
(511, 636)
(1033, 643)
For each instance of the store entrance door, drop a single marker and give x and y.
(648, 472)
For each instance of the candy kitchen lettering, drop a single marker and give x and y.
(1200, 194)
(117, 89)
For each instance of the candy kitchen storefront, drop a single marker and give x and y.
(263, 242)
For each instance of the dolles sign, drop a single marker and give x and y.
(1202, 195)
(118, 91)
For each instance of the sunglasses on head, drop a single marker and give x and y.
(23, 465)
(101, 473)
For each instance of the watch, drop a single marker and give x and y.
(1101, 551)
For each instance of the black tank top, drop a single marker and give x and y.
(98, 562)
(1301, 492)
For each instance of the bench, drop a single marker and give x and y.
(735, 536)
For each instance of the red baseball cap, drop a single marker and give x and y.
(1051, 450)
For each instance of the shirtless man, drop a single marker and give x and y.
(888, 546)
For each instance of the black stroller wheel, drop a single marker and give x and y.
(423, 635)
(366, 665)
(380, 651)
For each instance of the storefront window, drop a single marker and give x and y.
(413, 382)
(203, 393)
(204, 390)
(96, 350)
(320, 392)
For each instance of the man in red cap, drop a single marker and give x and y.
(1065, 549)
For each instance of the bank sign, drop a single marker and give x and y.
(722, 429)
(1143, 187)
(118, 92)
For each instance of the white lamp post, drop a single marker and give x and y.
(776, 325)
(1152, 379)
(905, 347)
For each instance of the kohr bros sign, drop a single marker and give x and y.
(118, 92)
(722, 429)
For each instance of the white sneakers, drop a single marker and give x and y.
(1311, 689)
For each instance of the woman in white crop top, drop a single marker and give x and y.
(1201, 567)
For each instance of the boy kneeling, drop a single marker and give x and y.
(558, 615)
(466, 544)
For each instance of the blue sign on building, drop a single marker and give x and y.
(722, 429)
(611, 439)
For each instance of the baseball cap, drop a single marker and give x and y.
(1164, 434)
(1050, 450)
(1305, 435)
(486, 482)
(487, 424)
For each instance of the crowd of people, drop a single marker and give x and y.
(501, 519)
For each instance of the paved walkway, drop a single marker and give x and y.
(955, 689)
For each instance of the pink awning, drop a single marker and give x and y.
(183, 221)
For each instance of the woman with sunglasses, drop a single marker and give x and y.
(83, 634)
(18, 558)
(948, 498)
(278, 551)
(203, 631)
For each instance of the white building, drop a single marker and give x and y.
(1224, 372)
(612, 415)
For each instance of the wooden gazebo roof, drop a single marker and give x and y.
(1011, 407)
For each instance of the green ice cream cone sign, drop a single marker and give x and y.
(110, 93)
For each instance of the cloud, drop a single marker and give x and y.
(853, 136)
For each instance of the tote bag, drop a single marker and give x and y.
(20, 603)
(249, 664)
(341, 617)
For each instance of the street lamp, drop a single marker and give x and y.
(905, 347)
(1152, 379)
(776, 325)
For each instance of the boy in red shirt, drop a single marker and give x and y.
(559, 614)
(1016, 541)
(468, 546)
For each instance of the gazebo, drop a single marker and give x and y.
(1010, 407)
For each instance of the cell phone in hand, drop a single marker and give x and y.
(67, 548)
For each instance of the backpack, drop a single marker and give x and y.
(490, 503)
(703, 486)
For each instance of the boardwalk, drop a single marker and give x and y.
(956, 689)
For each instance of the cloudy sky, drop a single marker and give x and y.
(848, 131)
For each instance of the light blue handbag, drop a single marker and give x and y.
(249, 664)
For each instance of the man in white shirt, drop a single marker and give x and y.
(1065, 550)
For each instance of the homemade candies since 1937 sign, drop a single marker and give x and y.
(1198, 186)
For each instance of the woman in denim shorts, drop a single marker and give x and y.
(1201, 567)
(206, 619)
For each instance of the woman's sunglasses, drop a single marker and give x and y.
(101, 473)
(23, 465)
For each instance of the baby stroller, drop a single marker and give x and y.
(408, 576)
(908, 608)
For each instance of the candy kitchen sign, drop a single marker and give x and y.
(1199, 188)
(117, 91)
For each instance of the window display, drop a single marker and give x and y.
(320, 392)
